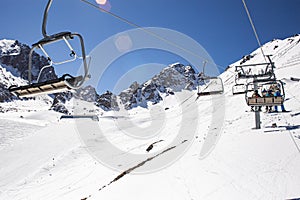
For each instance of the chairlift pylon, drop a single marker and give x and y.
(209, 85)
(66, 82)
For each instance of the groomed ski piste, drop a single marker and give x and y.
(43, 157)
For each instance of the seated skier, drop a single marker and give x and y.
(256, 95)
(278, 94)
(269, 94)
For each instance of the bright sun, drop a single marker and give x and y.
(101, 2)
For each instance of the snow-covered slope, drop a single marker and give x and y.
(159, 152)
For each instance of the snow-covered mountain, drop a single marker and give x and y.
(14, 66)
(9, 48)
(156, 152)
(16, 58)
(173, 78)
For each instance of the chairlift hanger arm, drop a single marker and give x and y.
(53, 39)
(66, 82)
(45, 18)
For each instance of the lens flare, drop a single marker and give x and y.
(101, 2)
(104, 4)
(123, 43)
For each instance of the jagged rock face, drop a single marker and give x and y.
(172, 79)
(87, 93)
(177, 77)
(107, 101)
(139, 95)
(17, 63)
(14, 58)
(127, 96)
(5, 95)
(148, 92)
(59, 101)
(9, 47)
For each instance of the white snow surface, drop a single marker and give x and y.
(43, 157)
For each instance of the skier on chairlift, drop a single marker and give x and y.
(278, 94)
(269, 94)
(256, 95)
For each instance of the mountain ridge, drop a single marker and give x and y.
(173, 78)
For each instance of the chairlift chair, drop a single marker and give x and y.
(246, 71)
(211, 84)
(266, 100)
(238, 89)
(242, 88)
(66, 82)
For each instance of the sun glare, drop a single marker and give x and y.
(101, 2)
(104, 5)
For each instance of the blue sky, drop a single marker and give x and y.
(221, 27)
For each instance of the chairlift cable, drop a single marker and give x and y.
(148, 31)
(253, 27)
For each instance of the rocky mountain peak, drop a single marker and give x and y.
(15, 58)
(14, 64)
(173, 78)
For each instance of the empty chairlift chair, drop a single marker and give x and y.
(64, 83)
(238, 89)
(209, 85)
(247, 73)
(242, 88)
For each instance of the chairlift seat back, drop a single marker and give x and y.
(47, 87)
